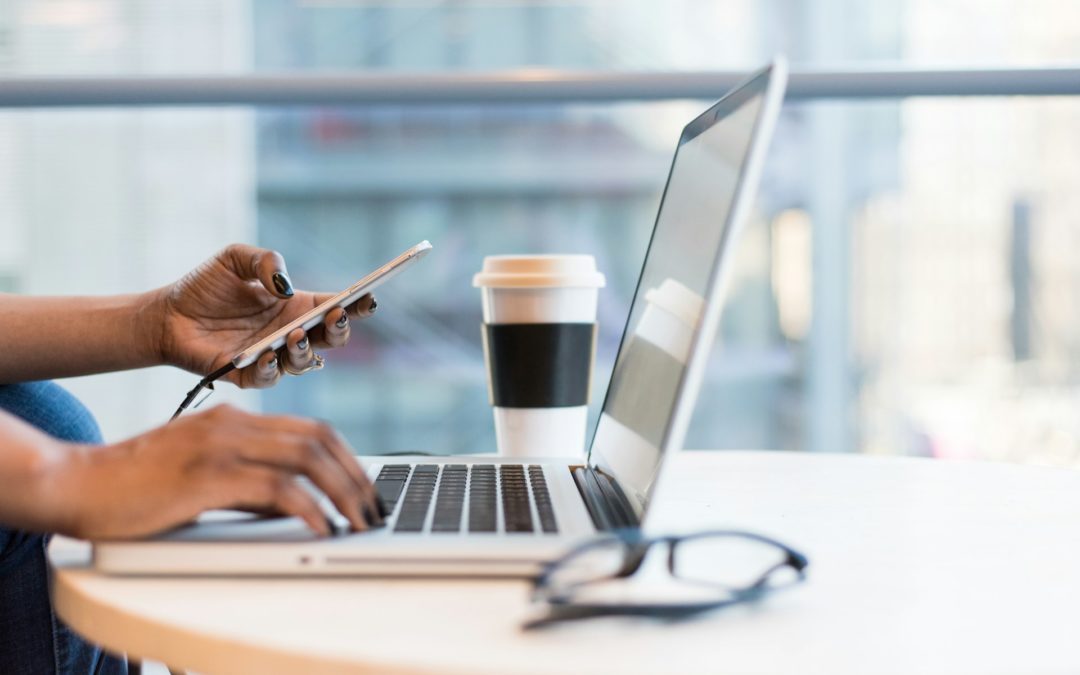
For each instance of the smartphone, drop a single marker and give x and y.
(348, 296)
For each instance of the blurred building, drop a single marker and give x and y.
(122, 200)
(907, 285)
(353, 185)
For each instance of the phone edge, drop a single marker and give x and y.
(313, 317)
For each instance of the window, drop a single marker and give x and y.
(905, 288)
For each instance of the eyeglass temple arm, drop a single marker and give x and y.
(205, 383)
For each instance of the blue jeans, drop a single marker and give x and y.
(32, 639)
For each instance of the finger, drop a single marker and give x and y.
(345, 458)
(262, 374)
(260, 511)
(307, 454)
(298, 351)
(336, 328)
(362, 308)
(253, 263)
(323, 335)
(338, 448)
(325, 472)
(263, 488)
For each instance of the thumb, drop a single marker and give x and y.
(250, 263)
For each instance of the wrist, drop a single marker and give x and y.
(151, 327)
(80, 487)
(58, 487)
(52, 483)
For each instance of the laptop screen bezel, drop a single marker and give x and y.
(768, 83)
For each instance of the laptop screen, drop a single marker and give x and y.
(692, 227)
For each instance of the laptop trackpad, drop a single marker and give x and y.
(240, 526)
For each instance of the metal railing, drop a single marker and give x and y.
(519, 86)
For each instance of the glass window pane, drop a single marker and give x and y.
(905, 288)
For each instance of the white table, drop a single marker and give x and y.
(916, 566)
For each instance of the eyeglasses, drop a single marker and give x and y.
(705, 571)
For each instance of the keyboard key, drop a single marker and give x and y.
(542, 498)
(451, 500)
(414, 506)
(389, 491)
(517, 516)
(482, 498)
(390, 482)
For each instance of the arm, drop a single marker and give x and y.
(197, 323)
(28, 458)
(221, 458)
(48, 337)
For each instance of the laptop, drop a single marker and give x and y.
(493, 516)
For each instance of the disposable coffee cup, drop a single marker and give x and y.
(671, 316)
(539, 335)
(645, 382)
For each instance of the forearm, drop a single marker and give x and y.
(29, 460)
(49, 337)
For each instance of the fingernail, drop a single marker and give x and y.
(272, 364)
(302, 345)
(343, 321)
(282, 284)
(374, 304)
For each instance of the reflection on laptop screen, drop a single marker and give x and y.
(690, 229)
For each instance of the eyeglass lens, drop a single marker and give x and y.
(603, 559)
(730, 561)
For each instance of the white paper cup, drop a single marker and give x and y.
(539, 345)
(645, 380)
(671, 316)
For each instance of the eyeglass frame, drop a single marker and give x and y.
(636, 548)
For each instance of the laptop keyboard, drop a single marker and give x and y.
(452, 498)
(482, 499)
(414, 506)
(543, 500)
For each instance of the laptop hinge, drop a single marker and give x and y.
(604, 499)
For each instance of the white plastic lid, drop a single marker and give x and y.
(677, 300)
(539, 271)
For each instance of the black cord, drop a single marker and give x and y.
(205, 383)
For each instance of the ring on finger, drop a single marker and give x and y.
(317, 362)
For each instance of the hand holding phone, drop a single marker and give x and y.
(316, 316)
(307, 321)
